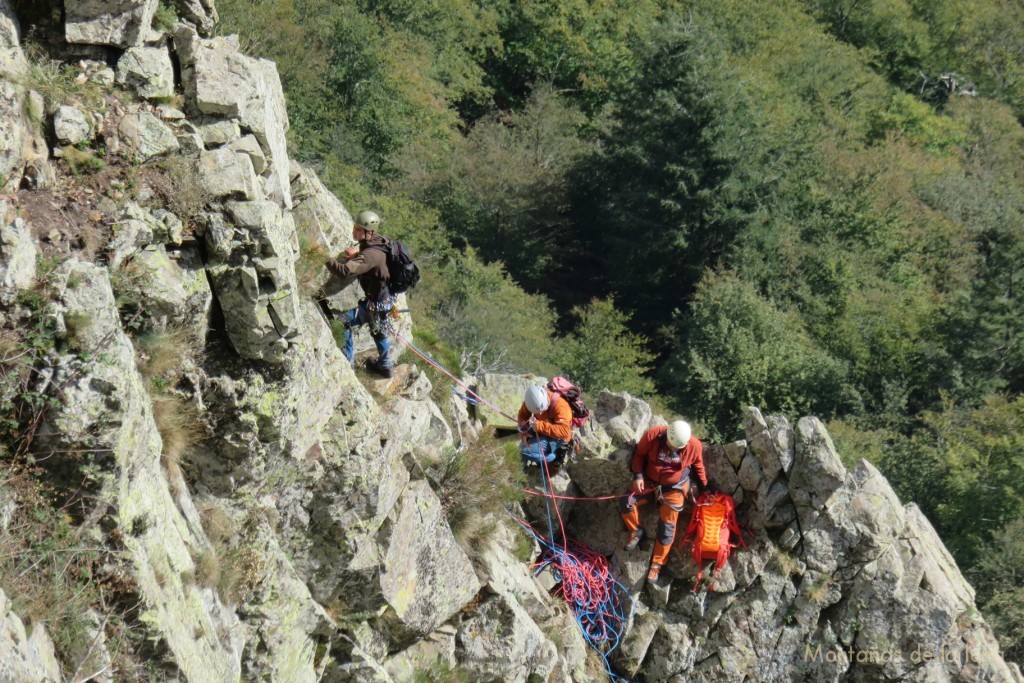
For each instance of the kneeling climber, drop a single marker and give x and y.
(663, 461)
(545, 423)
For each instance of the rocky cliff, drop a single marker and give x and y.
(242, 504)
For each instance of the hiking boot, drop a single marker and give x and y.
(375, 366)
(653, 573)
(635, 538)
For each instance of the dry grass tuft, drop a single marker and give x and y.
(476, 485)
(179, 425)
(309, 266)
(207, 569)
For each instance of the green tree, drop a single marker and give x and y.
(505, 190)
(737, 349)
(999, 580)
(602, 353)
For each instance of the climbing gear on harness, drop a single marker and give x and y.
(634, 538)
(678, 434)
(713, 531)
(382, 321)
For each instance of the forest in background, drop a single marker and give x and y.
(812, 206)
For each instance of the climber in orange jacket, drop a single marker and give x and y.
(663, 461)
(545, 423)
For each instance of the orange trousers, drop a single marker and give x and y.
(672, 501)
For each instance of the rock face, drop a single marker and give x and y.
(344, 566)
(121, 23)
(221, 81)
(107, 405)
(26, 654)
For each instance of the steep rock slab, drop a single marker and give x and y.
(121, 23)
(416, 426)
(105, 404)
(221, 81)
(426, 577)
(287, 623)
(334, 532)
(320, 217)
(256, 288)
(26, 654)
(500, 642)
(17, 254)
(23, 151)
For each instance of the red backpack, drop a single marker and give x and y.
(713, 531)
(574, 396)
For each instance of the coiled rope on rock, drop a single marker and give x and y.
(600, 604)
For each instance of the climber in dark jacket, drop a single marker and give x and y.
(368, 262)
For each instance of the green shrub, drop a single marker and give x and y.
(477, 484)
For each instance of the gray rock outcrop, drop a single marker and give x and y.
(26, 653)
(121, 23)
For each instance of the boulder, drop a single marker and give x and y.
(71, 125)
(251, 146)
(418, 426)
(225, 173)
(256, 288)
(625, 418)
(120, 23)
(817, 470)
(504, 392)
(501, 643)
(17, 254)
(147, 136)
(135, 228)
(176, 291)
(26, 654)
(216, 132)
(202, 14)
(147, 70)
(425, 576)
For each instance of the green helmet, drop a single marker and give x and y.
(368, 220)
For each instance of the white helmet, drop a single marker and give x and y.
(678, 434)
(536, 399)
(368, 220)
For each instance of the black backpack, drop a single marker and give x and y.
(404, 273)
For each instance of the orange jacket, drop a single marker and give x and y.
(555, 422)
(653, 458)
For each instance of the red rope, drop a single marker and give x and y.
(552, 495)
